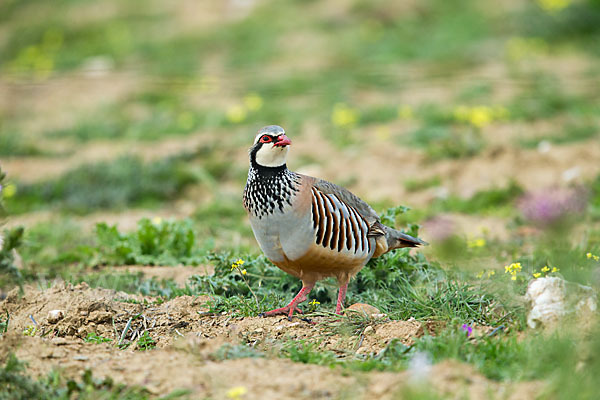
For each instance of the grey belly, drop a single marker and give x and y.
(284, 235)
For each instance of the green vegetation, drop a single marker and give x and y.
(445, 141)
(484, 201)
(135, 283)
(95, 338)
(233, 352)
(573, 132)
(12, 145)
(124, 182)
(145, 342)
(153, 243)
(16, 384)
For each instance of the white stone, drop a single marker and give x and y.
(55, 315)
(551, 298)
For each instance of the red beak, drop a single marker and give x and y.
(282, 141)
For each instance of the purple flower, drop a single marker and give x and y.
(549, 206)
(467, 329)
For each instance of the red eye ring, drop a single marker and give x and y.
(266, 139)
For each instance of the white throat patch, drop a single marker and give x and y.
(271, 156)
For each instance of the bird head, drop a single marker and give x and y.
(270, 147)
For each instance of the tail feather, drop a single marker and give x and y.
(397, 239)
(388, 239)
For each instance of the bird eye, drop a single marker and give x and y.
(266, 139)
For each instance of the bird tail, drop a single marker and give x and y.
(388, 239)
(396, 239)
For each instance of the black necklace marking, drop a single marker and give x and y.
(269, 188)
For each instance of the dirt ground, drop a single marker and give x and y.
(187, 337)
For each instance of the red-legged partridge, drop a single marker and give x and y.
(308, 227)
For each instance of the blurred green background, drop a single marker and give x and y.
(115, 110)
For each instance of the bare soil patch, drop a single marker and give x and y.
(187, 338)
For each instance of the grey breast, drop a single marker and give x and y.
(284, 233)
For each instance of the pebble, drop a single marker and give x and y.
(368, 330)
(55, 315)
(363, 309)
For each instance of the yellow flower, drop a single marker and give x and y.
(314, 302)
(517, 266)
(405, 112)
(157, 220)
(480, 275)
(9, 190)
(236, 392)
(476, 243)
(513, 278)
(490, 273)
(592, 257)
(344, 116)
(243, 272)
(513, 269)
(589, 255)
(253, 102)
(236, 114)
(480, 116)
(237, 263)
(545, 269)
(537, 275)
(554, 269)
(553, 6)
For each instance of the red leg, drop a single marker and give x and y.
(341, 298)
(290, 308)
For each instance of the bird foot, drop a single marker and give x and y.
(289, 310)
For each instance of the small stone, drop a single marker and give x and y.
(259, 330)
(55, 315)
(368, 330)
(552, 298)
(81, 358)
(363, 309)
